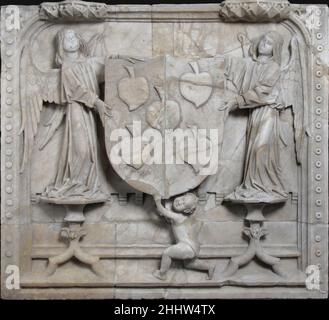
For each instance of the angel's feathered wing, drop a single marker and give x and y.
(98, 51)
(97, 45)
(37, 87)
(294, 94)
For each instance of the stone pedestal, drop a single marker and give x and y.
(73, 234)
(255, 232)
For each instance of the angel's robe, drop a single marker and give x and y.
(258, 87)
(78, 169)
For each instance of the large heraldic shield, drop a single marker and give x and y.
(165, 132)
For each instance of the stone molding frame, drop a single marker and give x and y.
(255, 11)
(312, 204)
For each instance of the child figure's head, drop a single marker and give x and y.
(185, 204)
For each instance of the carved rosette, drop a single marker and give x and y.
(254, 11)
(73, 10)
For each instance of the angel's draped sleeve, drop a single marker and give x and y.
(263, 91)
(79, 83)
(235, 69)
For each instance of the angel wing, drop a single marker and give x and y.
(98, 52)
(97, 45)
(294, 93)
(37, 87)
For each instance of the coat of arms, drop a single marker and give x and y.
(165, 130)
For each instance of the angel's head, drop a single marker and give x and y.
(270, 44)
(69, 41)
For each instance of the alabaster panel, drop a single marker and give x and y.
(165, 151)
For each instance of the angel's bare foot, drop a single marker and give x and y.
(160, 275)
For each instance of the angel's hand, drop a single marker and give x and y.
(130, 59)
(243, 39)
(103, 109)
(127, 58)
(282, 107)
(113, 56)
(229, 105)
(157, 197)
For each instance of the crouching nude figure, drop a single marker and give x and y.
(185, 229)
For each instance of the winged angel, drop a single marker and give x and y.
(74, 88)
(265, 86)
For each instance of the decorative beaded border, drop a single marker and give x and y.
(10, 218)
(318, 179)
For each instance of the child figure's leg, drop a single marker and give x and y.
(180, 251)
(197, 264)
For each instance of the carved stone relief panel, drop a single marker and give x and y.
(164, 151)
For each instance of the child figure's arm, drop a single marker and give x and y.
(165, 212)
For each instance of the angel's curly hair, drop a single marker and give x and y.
(277, 48)
(83, 47)
(194, 200)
